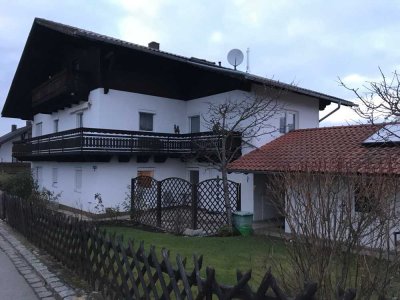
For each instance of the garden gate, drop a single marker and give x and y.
(175, 204)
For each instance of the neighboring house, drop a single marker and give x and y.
(347, 153)
(105, 111)
(7, 140)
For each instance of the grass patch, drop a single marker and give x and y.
(225, 254)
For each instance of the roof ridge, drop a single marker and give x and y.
(340, 126)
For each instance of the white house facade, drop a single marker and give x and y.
(107, 111)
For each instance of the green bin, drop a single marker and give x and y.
(242, 221)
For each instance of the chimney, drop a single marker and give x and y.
(154, 45)
(13, 127)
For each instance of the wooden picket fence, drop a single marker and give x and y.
(126, 270)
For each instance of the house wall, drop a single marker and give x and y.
(120, 110)
(111, 179)
(310, 203)
(6, 150)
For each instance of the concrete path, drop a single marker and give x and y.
(12, 284)
(23, 273)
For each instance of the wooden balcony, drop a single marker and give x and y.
(89, 144)
(61, 90)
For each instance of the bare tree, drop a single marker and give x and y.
(237, 122)
(379, 101)
(341, 229)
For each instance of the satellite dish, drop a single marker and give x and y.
(235, 57)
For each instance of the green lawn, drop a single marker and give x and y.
(225, 254)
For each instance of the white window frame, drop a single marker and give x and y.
(54, 176)
(284, 117)
(153, 120)
(78, 179)
(190, 123)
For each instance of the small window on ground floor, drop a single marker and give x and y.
(38, 176)
(194, 176)
(363, 197)
(145, 175)
(54, 176)
(78, 179)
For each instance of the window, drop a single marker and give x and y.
(79, 120)
(38, 176)
(55, 125)
(78, 179)
(194, 124)
(194, 176)
(145, 175)
(288, 122)
(146, 121)
(39, 129)
(363, 196)
(54, 176)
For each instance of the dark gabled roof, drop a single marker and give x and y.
(77, 32)
(326, 149)
(13, 134)
(47, 37)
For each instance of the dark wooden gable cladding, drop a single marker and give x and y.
(58, 69)
(47, 53)
(145, 73)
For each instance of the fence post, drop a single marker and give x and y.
(194, 205)
(132, 197)
(158, 203)
(239, 197)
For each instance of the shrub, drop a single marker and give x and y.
(20, 184)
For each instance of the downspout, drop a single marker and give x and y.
(332, 112)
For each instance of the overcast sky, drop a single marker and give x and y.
(310, 43)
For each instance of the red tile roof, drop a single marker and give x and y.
(327, 149)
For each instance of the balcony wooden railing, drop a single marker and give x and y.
(65, 84)
(90, 141)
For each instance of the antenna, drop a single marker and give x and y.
(235, 57)
(248, 60)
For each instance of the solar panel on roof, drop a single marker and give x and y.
(387, 134)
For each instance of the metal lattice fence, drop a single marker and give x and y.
(175, 204)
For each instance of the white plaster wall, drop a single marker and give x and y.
(369, 235)
(120, 110)
(111, 179)
(6, 150)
